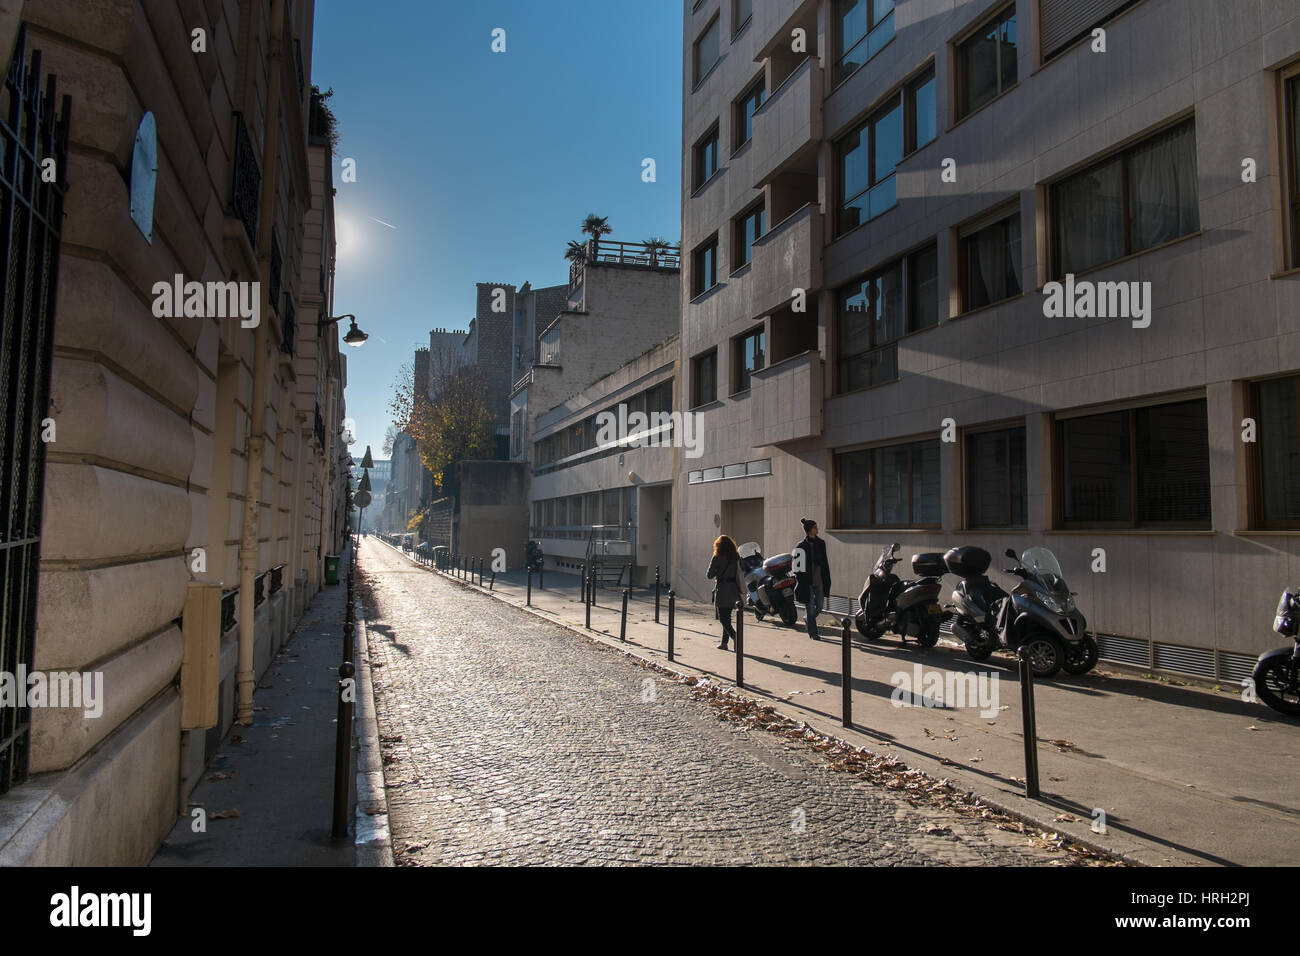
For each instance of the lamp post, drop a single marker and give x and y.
(354, 336)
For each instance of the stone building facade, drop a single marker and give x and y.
(195, 483)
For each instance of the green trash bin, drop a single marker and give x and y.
(331, 569)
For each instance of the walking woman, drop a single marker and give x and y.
(725, 569)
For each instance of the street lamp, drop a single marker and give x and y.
(354, 336)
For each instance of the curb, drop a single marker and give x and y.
(373, 838)
(678, 669)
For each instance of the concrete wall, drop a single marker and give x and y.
(1225, 308)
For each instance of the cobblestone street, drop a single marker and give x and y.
(510, 740)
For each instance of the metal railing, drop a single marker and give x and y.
(229, 605)
(288, 326)
(626, 253)
(277, 578)
(31, 133)
(259, 589)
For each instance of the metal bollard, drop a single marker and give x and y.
(541, 575)
(846, 675)
(528, 602)
(492, 582)
(1030, 723)
(343, 751)
(740, 644)
(587, 606)
(622, 626)
(656, 594)
(349, 636)
(672, 620)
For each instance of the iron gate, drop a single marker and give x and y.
(31, 213)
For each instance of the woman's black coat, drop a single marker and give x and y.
(730, 580)
(814, 550)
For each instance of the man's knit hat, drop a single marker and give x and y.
(808, 524)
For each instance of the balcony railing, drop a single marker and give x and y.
(259, 589)
(277, 578)
(320, 427)
(277, 267)
(627, 254)
(548, 352)
(246, 188)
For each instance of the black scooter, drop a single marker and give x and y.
(1277, 674)
(1039, 612)
(909, 609)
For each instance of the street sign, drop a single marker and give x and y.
(361, 499)
(367, 462)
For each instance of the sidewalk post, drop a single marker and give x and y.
(528, 602)
(1030, 723)
(343, 753)
(586, 606)
(846, 674)
(541, 575)
(492, 581)
(480, 572)
(672, 615)
(622, 626)
(656, 594)
(349, 634)
(740, 644)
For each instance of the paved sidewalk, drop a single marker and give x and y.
(278, 774)
(1185, 776)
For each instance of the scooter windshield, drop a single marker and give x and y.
(886, 553)
(748, 548)
(1041, 563)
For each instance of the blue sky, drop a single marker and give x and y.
(486, 163)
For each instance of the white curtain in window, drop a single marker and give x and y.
(1162, 188)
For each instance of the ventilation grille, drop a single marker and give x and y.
(1197, 661)
(1235, 667)
(1125, 650)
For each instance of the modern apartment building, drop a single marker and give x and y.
(1007, 273)
(182, 508)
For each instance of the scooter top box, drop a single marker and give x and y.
(778, 563)
(929, 564)
(967, 561)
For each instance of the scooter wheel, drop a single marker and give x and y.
(980, 651)
(930, 636)
(1082, 657)
(789, 616)
(1275, 689)
(1046, 654)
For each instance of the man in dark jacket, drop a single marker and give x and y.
(813, 583)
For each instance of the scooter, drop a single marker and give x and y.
(769, 584)
(1038, 613)
(909, 609)
(1277, 674)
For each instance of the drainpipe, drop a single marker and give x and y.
(248, 548)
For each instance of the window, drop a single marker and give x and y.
(1140, 466)
(865, 161)
(1291, 146)
(741, 12)
(996, 479)
(704, 271)
(750, 357)
(1062, 22)
(871, 315)
(746, 107)
(1275, 405)
(990, 263)
(704, 378)
(708, 50)
(862, 27)
(986, 63)
(893, 487)
(1141, 198)
(706, 157)
(749, 228)
(922, 123)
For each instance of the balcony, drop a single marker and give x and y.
(785, 400)
(616, 252)
(788, 127)
(789, 257)
(246, 185)
(548, 345)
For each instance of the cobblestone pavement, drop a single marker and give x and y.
(510, 740)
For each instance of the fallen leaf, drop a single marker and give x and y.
(223, 814)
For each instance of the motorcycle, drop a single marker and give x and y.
(1277, 673)
(909, 609)
(1039, 613)
(769, 583)
(533, 556)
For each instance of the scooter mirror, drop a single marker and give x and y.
(1011, 554)
(895, 548)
